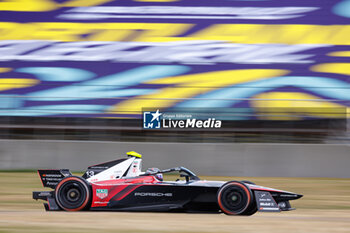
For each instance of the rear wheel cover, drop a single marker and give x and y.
(73, 194)
(234, 198)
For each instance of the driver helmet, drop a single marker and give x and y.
(159, 176)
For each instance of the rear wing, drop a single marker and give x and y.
(50, 178)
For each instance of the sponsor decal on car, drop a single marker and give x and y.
(52, 183)
(266, 202)
(44, 194)
(153, 194)
(102, 193)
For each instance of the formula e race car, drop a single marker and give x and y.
(120, 185)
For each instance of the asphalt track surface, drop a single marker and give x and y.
(324, 208)
(301, 221)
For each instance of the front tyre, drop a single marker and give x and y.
(252, 209)
(234, 198)
(73, 193)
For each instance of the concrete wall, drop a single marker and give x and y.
(209, 159)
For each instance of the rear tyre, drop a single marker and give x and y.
(73, 193)
(234, 198)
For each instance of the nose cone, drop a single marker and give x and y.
(289, 196)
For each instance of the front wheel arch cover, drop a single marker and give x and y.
(247, 190)
(86, 186)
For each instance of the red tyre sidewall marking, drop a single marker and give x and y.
(244, 188)
(87, 195)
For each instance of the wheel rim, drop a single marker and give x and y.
(72, 195)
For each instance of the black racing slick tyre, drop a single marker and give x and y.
(73, 193)
(252, 209)
(234, 198)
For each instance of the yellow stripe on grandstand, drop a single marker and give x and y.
(12, 83)
(339, 54)
(165, 32)
(336, 68)
(293, 105)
